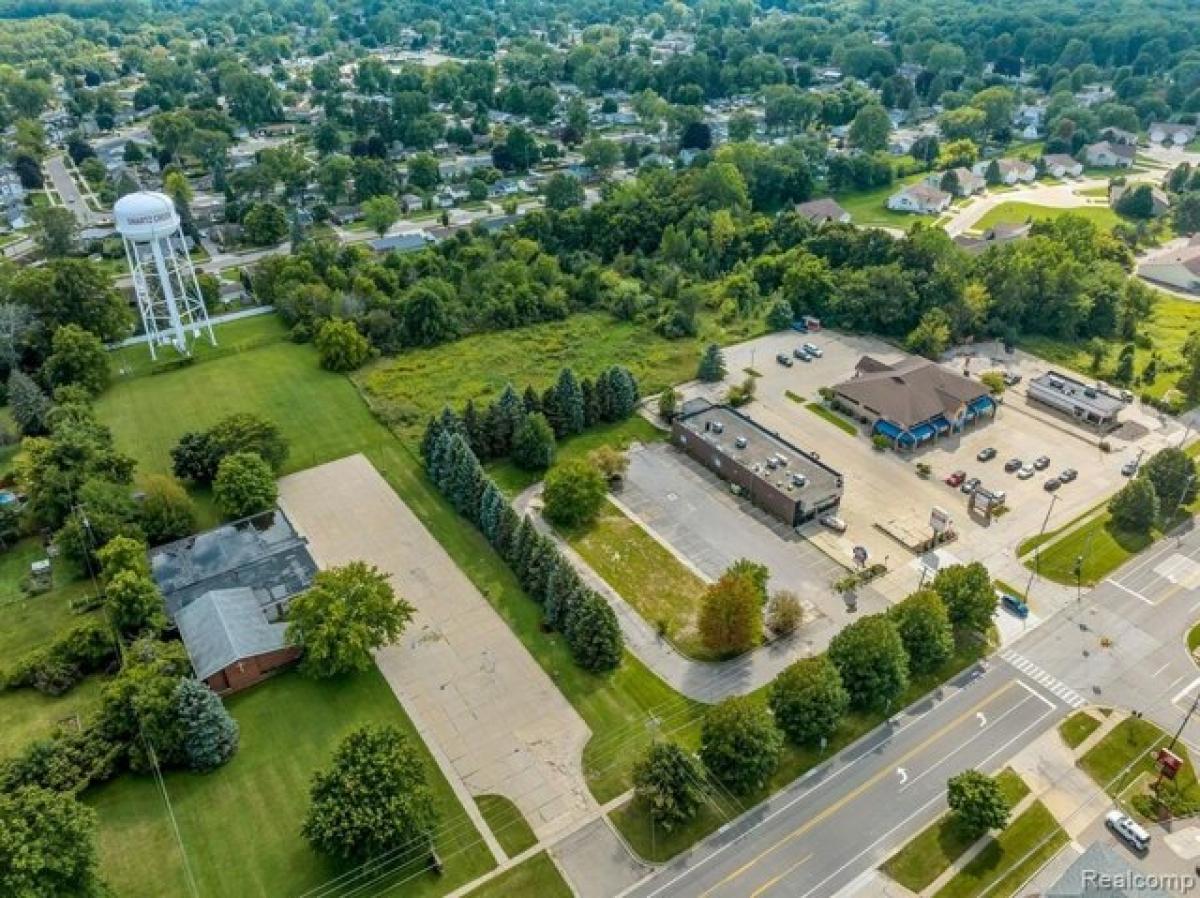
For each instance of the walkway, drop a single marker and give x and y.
(704, 681)
(493, 718)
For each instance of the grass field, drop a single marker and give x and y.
(409, 388)
(1102, 545)
(30, 715)
(832, 417)
(1014, 212)
(665, 592)
(1123, 755)
(655, 845)
(240, 826)
(868, 207)
(1010, 858)
(1193, 639)
(1076, 728)
(935, 848)
(536, 876)
(324, 418)
(507, 823)
(620, 435)
(1170, 322)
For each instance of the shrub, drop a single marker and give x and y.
(574, 493)
(785, 614)
(244, 485)
(668, 780)
(166, 512)
(340, 346)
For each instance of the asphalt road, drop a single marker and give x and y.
(1123, 644)
(848, 815)
(68, 191)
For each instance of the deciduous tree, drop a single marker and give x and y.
(977, 802)
(870, 656)
(344, 616)
(739, 743)
(574, 493)
(730, 619)
(808, 700)
(244, 484)
(669, 781)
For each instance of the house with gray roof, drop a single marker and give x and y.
(230, 642)
(823, 211)
(1101, 873)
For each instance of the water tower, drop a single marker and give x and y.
(164, 281)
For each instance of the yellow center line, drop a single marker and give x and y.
(771, 882)
(850, 796)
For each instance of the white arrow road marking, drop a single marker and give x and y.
(982, 719)
(903, 774)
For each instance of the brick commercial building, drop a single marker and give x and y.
(227, 590)
(791, 484)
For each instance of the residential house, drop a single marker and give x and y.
(402, 243)
(1060, 165)
(1110, 155)
(921, 199)
(1178, 268)
(995, 236)
(823, 211)
(1012, 171)
(1168, 132)
(1119, 135)
(412, 202)
(964, 183)
(1160, 202)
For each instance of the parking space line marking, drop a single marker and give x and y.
(1161, 669)
(1185, 690)
(1124, 588)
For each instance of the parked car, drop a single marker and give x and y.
(970, 484)
(834, 523)
(1026, 472)
(813, 350)
(1129, 831)
(956, 478)
(1041, 463)
(1013, 464)
(800, 353)
(1068, 475)
(1129, 468)
(1011, 379)
(1013, 605)
(784, 359)
(1051, 484)
(986, 454)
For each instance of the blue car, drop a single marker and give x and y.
(1014, 605)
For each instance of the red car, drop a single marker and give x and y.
(956, 478)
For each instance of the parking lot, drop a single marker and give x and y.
(686, 505)
(884, 486)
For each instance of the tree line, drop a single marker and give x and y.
(568, 605)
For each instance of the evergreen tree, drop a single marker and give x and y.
(210, 734)
(591, 411)
(490, 508)
(472, 427)
(29, 405)
(523, 545)
(506, 530)
(604, 396)
(533, 443)
(532, 401)
(593, 633)
(570, 400)
(625, 393)
(712, 365)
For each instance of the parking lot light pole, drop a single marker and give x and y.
(1037, 554)
(1078, 578)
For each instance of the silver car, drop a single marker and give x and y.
(1128, 830)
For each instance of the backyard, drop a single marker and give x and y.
(240, 826)
(1014, 212)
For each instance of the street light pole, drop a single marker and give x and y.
(1038, 551)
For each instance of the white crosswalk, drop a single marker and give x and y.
(1052, 684)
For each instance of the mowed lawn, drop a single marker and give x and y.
(1014, 212)
(935, 848)
(27, 623)
(1010, 858)
(324, 418)
(663, 590)
(240, 826)
(1170, 323)
(412, 386)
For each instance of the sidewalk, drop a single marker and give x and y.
(703, 681)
